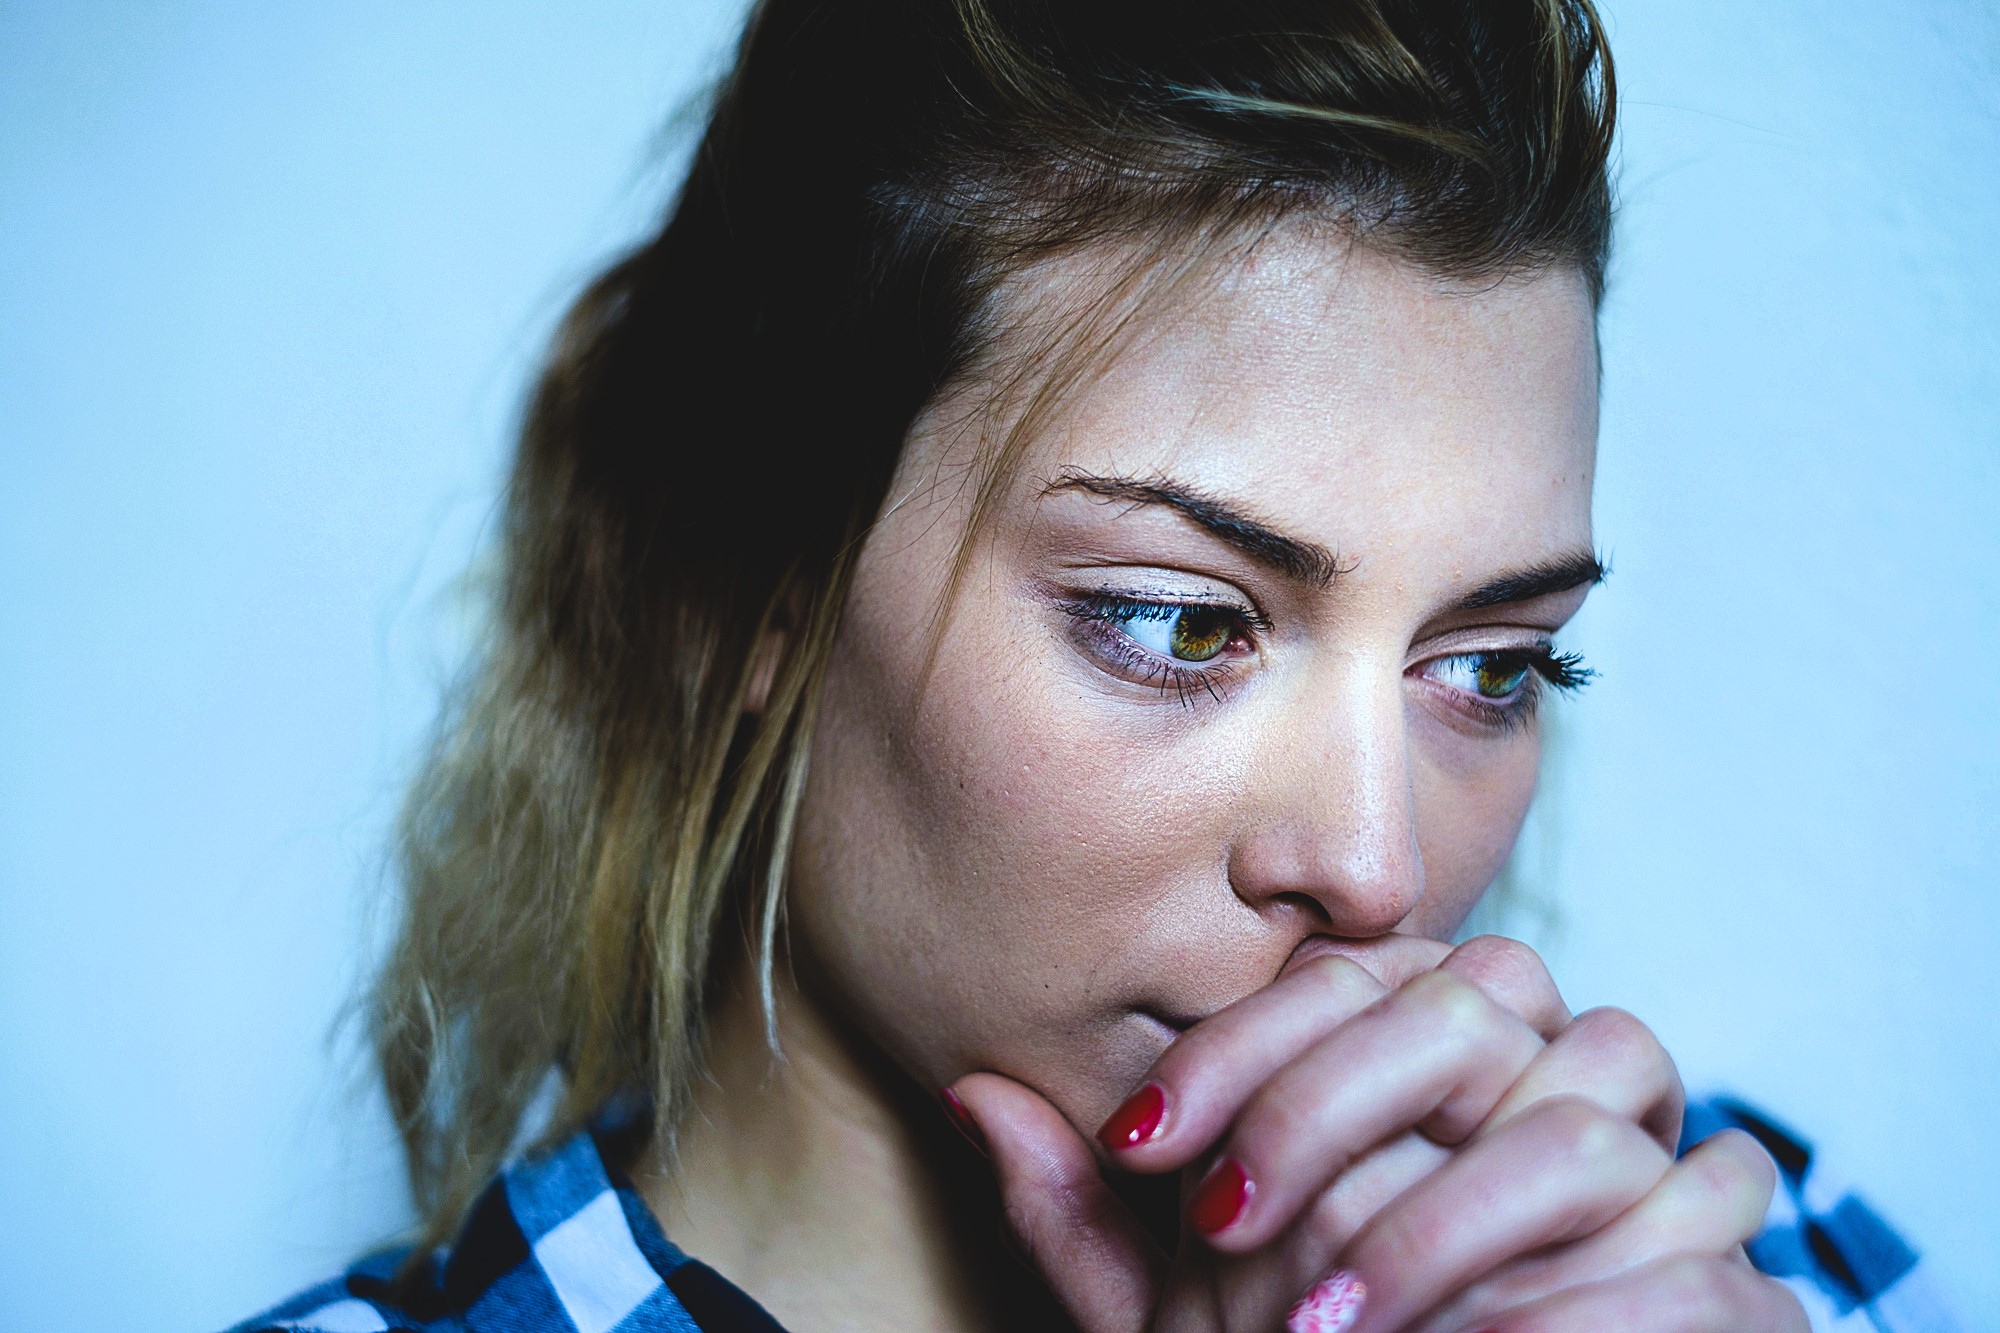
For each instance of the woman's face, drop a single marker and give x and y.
(1243, 667)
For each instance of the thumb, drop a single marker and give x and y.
(1091, 1250)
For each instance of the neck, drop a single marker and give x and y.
(828, 1186)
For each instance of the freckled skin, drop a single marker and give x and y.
(1013, 868)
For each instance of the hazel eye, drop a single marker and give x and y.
(1491, 676)
(1184, 633)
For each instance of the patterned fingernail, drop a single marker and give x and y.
(1331, 1306)
(961, 1119)
(1137, 1121)
(1221, 1197)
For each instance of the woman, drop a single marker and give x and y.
(1031, 595)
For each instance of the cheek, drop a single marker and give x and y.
(1471, 796)
(973, 876)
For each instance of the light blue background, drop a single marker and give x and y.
(271, 278)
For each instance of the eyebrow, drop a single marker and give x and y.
(1309, 562)
(1306, 561)
(1575, 569)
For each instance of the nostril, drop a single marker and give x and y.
(1309, 908)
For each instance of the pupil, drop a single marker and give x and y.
(1199, 634)
(1499, 677)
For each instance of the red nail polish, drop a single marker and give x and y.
(1137, 1121)
(1221, 1198)
(961, 1120)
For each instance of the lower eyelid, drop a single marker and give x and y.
(1491, 712)
(1131, 661)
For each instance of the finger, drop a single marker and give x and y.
(1557, 1172)
(1260, 1286)
(1436, 1055)
(1196, 1088)
(1515, 977)
(1709, 1203)
(1612, 1059)
(1202, 1082)
(1689, 1294)
(1090, 1249)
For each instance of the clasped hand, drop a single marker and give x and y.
(1442, 1148)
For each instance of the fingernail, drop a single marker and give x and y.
(961, 1119)
(1221, 1197)
(1137, 1121)
(1331, 1306)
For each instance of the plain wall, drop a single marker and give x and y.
(271, 279)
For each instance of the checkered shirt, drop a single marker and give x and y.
(1849, 1268)
(562, 1244)
(558, 1244)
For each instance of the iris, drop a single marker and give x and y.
(1185, 633)
(1496, 675)
(1199, 633)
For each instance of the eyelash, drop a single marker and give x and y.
(1101, 614)
(1547, 670)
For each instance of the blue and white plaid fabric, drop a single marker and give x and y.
(1850, 1269)
(557, 1245)
(560, 1244)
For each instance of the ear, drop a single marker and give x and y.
(790, 609)
(765, 658)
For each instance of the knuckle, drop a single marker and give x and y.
(1586, 1134)
(1714, 1174)
(1369, 1187)
(1337, 1216)
(1620, 1031)
(1452, 1003)
(1707, 1289)
(1563, 1115)
(1619, 1046)
(1502, 961)
(1336, 975)
(1406, 1231)
(1736, 1167)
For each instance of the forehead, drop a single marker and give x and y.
(1345, 396)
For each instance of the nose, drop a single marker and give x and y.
(1330, 833)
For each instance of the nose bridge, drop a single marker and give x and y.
(1338, 823)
